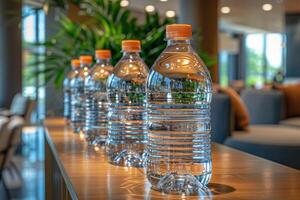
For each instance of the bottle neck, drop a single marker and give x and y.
(131, 54)
(172, 42)
(75, 67)
(83, 65)
(104, 62)
(181, 45)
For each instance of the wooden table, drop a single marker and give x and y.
(74, 171)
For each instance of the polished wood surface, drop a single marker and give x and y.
(236, 175)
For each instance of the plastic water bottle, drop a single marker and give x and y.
(75, 63)
(77, 94)
(127, 134)
(178, 103)
(96, 99)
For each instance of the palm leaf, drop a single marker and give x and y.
(107, 25)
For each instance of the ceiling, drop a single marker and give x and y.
(248, 16)
(245, 16)
(161, 7)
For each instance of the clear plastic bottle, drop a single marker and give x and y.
(75, 63)
(178, 113)
(77, 94)
(96, 99)
(127, 134)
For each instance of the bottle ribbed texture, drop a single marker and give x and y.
(178, 105)
(96, 104)
(78, 99)
(127, 135)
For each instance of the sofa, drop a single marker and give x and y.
(267, 107)
(21, 106)
(269, 135)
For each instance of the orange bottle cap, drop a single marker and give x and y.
(131, 45)
(86, 59)
(179, 31)
(75, 63)
(103, 54)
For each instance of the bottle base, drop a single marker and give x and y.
(174, 183)
(95, 138)
(76, 127)
(127, 158)
(76, 130)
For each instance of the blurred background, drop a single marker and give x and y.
(244, 43)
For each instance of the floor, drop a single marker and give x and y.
(30, 162)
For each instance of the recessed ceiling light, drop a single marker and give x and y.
(267, 7)
(163, 0)
(225, 10)
(170, 13)
(124, 3)
(150, 8)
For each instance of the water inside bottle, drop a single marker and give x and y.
(127, 134)
(178, 105)
(78, 96)
(67, 88)
(96, 102)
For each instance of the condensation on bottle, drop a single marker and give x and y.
(75, 63)
(178, 103)
(127, 134)
(77, 94)
(96, 104)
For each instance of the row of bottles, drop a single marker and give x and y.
(96, 103)
(77, 96)
(127, 128)
(75, 63)
(157, 119)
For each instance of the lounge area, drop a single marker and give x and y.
(149, 99)
(270, 134)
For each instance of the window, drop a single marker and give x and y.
(223, 66)
(274, 54)
(264, 57)
(33, 30)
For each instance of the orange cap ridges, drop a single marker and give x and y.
(131, 45)
(75, 63)
(179, 31)
(86, 59)
(103, 54)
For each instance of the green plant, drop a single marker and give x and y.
(107, 25)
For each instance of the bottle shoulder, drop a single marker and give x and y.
(179, 69)
(100, 73)
(79, 78)
(83, 73)
(71, 74)
(130, 70)
(179, 64)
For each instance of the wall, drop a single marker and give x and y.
(292, 28)
(10, 51)
(203, 16)
(54, 96)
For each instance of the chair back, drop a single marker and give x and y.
(264, 106)
(14, 127)
(19, 105)
(221, 117)
(4, 137)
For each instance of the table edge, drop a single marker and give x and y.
(65, 176)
